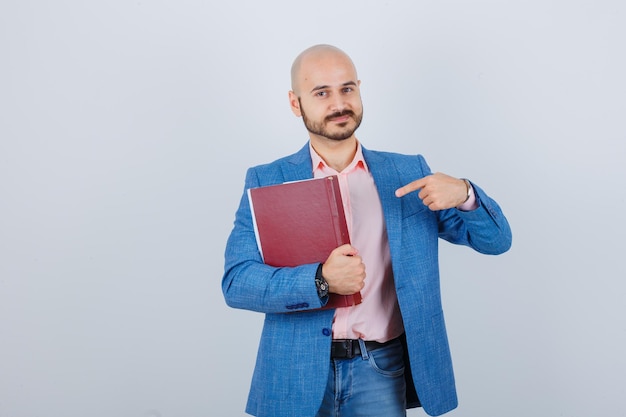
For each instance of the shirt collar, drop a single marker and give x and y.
(358, 162)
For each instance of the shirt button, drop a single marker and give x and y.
(325, 331)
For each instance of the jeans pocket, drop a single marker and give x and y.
(388, 360)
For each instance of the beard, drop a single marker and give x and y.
(321, 128)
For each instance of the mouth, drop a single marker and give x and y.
(340, 117)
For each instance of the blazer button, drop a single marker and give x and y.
(326, 332)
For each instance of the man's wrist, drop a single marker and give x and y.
(470, 201)
(468, 190)
(320, 283)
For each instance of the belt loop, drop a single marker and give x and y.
(364, 353)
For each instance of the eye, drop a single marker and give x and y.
(348, 89)
(321, 94)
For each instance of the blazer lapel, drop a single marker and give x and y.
(387, 181)
(298, 166)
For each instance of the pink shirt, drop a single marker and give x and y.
(378, 316)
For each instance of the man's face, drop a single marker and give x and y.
(328, 97)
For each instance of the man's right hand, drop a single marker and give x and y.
(344, 271)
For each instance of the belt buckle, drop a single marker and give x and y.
(343, 349)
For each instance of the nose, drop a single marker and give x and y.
(338, 103)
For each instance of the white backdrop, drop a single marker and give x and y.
(125, 131)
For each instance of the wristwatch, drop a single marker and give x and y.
(320, 283)
(468, 189)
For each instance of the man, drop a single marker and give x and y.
(391, 351)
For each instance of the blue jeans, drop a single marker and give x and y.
(369, 385)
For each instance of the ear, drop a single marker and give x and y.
(294, 104)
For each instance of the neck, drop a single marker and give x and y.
(336, 153)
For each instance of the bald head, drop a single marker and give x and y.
(325, 93)
(316, 58)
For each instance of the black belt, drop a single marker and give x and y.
(349, 348)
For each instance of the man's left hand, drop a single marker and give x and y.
(437, 191)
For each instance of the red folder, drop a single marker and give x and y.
(299, 223)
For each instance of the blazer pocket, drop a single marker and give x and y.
(414, 209)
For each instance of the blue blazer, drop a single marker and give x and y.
(293, 358)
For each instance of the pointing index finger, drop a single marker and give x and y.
(410, 187)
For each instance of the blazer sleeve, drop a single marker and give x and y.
(485, 229)
(249, 284)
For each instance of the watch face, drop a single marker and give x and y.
(322, 287)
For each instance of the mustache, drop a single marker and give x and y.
(346, 112)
